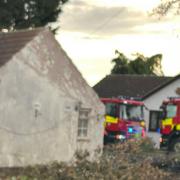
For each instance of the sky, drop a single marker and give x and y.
(91, 31)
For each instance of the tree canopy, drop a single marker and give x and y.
(166, 5)
(19, 14)
(140, 65)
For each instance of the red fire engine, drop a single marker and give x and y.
(170, 124)
(124, 119)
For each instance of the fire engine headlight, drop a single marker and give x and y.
(120, 137)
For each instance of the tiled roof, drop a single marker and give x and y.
(13, 42)
(129, 85)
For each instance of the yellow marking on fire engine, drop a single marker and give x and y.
(142, 124)
(178, 127)
(169, 122)
(110, 119)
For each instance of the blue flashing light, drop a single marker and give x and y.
(130, 130)
(158, 130)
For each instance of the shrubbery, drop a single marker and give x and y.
(136, 160)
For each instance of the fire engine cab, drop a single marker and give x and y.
(124, 119)
(170, 124)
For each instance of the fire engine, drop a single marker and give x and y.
(170, 124)
(124, 119)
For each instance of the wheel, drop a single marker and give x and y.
(175, 146)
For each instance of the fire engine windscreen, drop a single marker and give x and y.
(125, 111)
(111, 109)
(131, 112)
(171, 110)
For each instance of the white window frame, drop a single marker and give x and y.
(83, 122)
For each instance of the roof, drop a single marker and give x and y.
(13, 42)
(129, 85)
(161, 86)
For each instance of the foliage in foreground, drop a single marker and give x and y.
(131, 161)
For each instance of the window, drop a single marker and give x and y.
(111, 109)
(83, 122)
(154, 121)
(131, 112)
(171, 110)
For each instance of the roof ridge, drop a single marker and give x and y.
(161, 86)
(38, 29)
(132, 75)
(139, 75)
(129, 85)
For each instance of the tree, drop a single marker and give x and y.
(121, 64)
(140, 65)
(19, 14)
(166, 5)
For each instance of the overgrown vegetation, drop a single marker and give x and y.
(139, 65)
(127, 161)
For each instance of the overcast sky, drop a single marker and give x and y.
(91, 31)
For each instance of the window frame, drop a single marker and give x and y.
(82, 126)
(158, 119)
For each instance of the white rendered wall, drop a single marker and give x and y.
(154, 101)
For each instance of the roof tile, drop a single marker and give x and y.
(128, 85)
(13, 42)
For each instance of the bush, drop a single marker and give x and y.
(127, 161)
